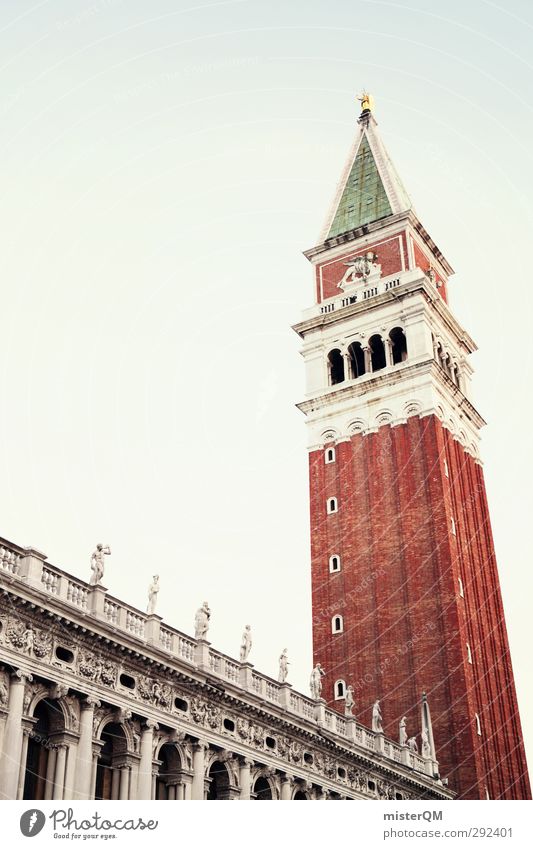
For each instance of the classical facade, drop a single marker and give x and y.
(406, 594)
(99, 700)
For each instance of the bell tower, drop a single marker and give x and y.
(406, 596)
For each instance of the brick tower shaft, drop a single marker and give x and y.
(406, 595)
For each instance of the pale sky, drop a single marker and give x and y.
(164, 165)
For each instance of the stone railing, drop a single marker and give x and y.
(10, 558)
(361, 292)
(135, 624)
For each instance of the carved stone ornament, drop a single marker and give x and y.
(257, 735)
(213, 716)
(360, 269)
(329, 767)
(96, 668)
(144, 688)
(283, 746)
(72, 705)
(89, 665)
(4, 690)
(30, 691)
(243, 728)
(108, 673)
(29, 640)
(57, 691)
(198, 710)
(295, 751)
(99, 715)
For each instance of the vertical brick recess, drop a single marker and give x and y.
(406, 625)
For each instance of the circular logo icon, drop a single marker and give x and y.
(32, 822)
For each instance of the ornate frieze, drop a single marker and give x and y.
(28, 639)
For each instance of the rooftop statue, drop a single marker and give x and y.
(97, 563)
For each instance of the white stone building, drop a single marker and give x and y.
(100, 700)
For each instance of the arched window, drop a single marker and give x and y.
(357, 359)
(478, 724)
(331, 505)
(454, 532)
(377, 352)
(335, 367)
(461, 588)
(335, 563)
(262, 789)
(339, 689)
(108, 773)
(329, 455)
(469, 653)
(169, 773)
(337, 624)
(36, 785)
(399, 345)
(219, 783)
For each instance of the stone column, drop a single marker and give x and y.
(12, 742)
(368, 359)
(387, 344)
(144, 786)
(171, 792)
(245, 779)
(115, 782)
(287, 782)
(124, 785)
(198, 765)
(70, 770)
(50, 772)
(187, 787)
(59, 778)
(85, 759)
(96, 751)
(22, 770)
(348, 375)
(154, 785)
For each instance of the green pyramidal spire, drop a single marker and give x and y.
(370, 188)
(364, 198)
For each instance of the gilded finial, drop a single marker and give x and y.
(367, 102)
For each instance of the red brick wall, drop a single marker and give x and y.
(423, 261)
(389, 257)
(405, 625)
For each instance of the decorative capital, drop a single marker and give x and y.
(89, 703)
(151, 725)
(123, 715)
(21, 677)
(57, 691)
